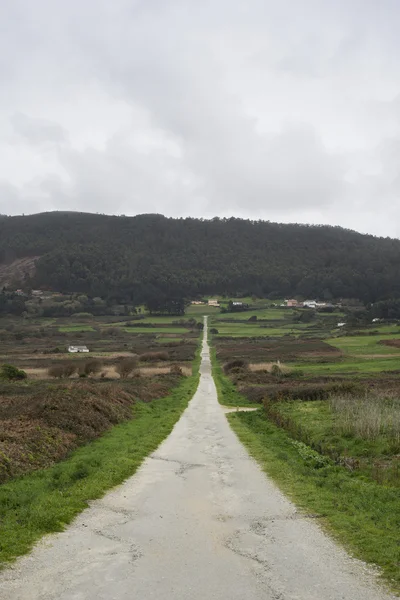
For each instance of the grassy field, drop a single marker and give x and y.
(366, 344)
(357, 510)
(338, 459)
(46, 501)
(349, 365)
(361, 514)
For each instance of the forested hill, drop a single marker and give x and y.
(132, 257)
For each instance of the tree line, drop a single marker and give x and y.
(150, 258)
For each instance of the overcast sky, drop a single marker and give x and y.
(282, 110)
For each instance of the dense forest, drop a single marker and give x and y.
(134, 259)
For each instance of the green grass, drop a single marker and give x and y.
(155, 329)
(358, 512)
(362, 367)
(361, 514)
(250, 330)
(226, 391)
(198, 311)
(365, 344)
(48, 500)
(318, 424)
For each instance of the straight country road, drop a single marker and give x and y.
(198, 521)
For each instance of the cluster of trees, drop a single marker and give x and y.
(133, 259)
(233, 306)
(386, 309)
(59, 306)
(11, 304)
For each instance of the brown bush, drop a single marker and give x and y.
(310, 391)
(154, 356)
(126, 366)
(235, 364)
(62, 370)
(176, 370)
(90, 367)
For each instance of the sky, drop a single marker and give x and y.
(284, 111)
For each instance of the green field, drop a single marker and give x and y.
(152, 330)
(348, 366)
(365, 344)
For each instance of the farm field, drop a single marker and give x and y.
(123, 397)
(328, 424)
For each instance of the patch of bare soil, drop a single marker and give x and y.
(394, 343)
(16, 271)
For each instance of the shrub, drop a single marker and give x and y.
(176, 370)
(62, 370)
(154, 356)
(214, 330)
(56, 371)
(276, 371)
(126, 366)
(236, 363)
(69, 369)
(253, 318)
(309, 391)
(113, 331)
(90, 367)
(12, 373)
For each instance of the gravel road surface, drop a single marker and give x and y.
(198, 521)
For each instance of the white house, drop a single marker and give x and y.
(78, 349)
(341, 324)
(310, 304)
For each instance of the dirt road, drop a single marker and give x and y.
(199, 521)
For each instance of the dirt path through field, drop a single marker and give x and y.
(199, 521)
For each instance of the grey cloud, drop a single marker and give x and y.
(37, 131)
(286, 110)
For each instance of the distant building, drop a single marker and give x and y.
(292, 303)
(341, 324)
(78, 349)
(197, 302)
(310, 304)
(213, 302)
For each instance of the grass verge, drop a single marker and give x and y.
(46, 501)
(227, 393)
(359, 513)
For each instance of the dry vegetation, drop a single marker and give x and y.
(40, 422)
(255, 350)
(367, 416)
(67, 399)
